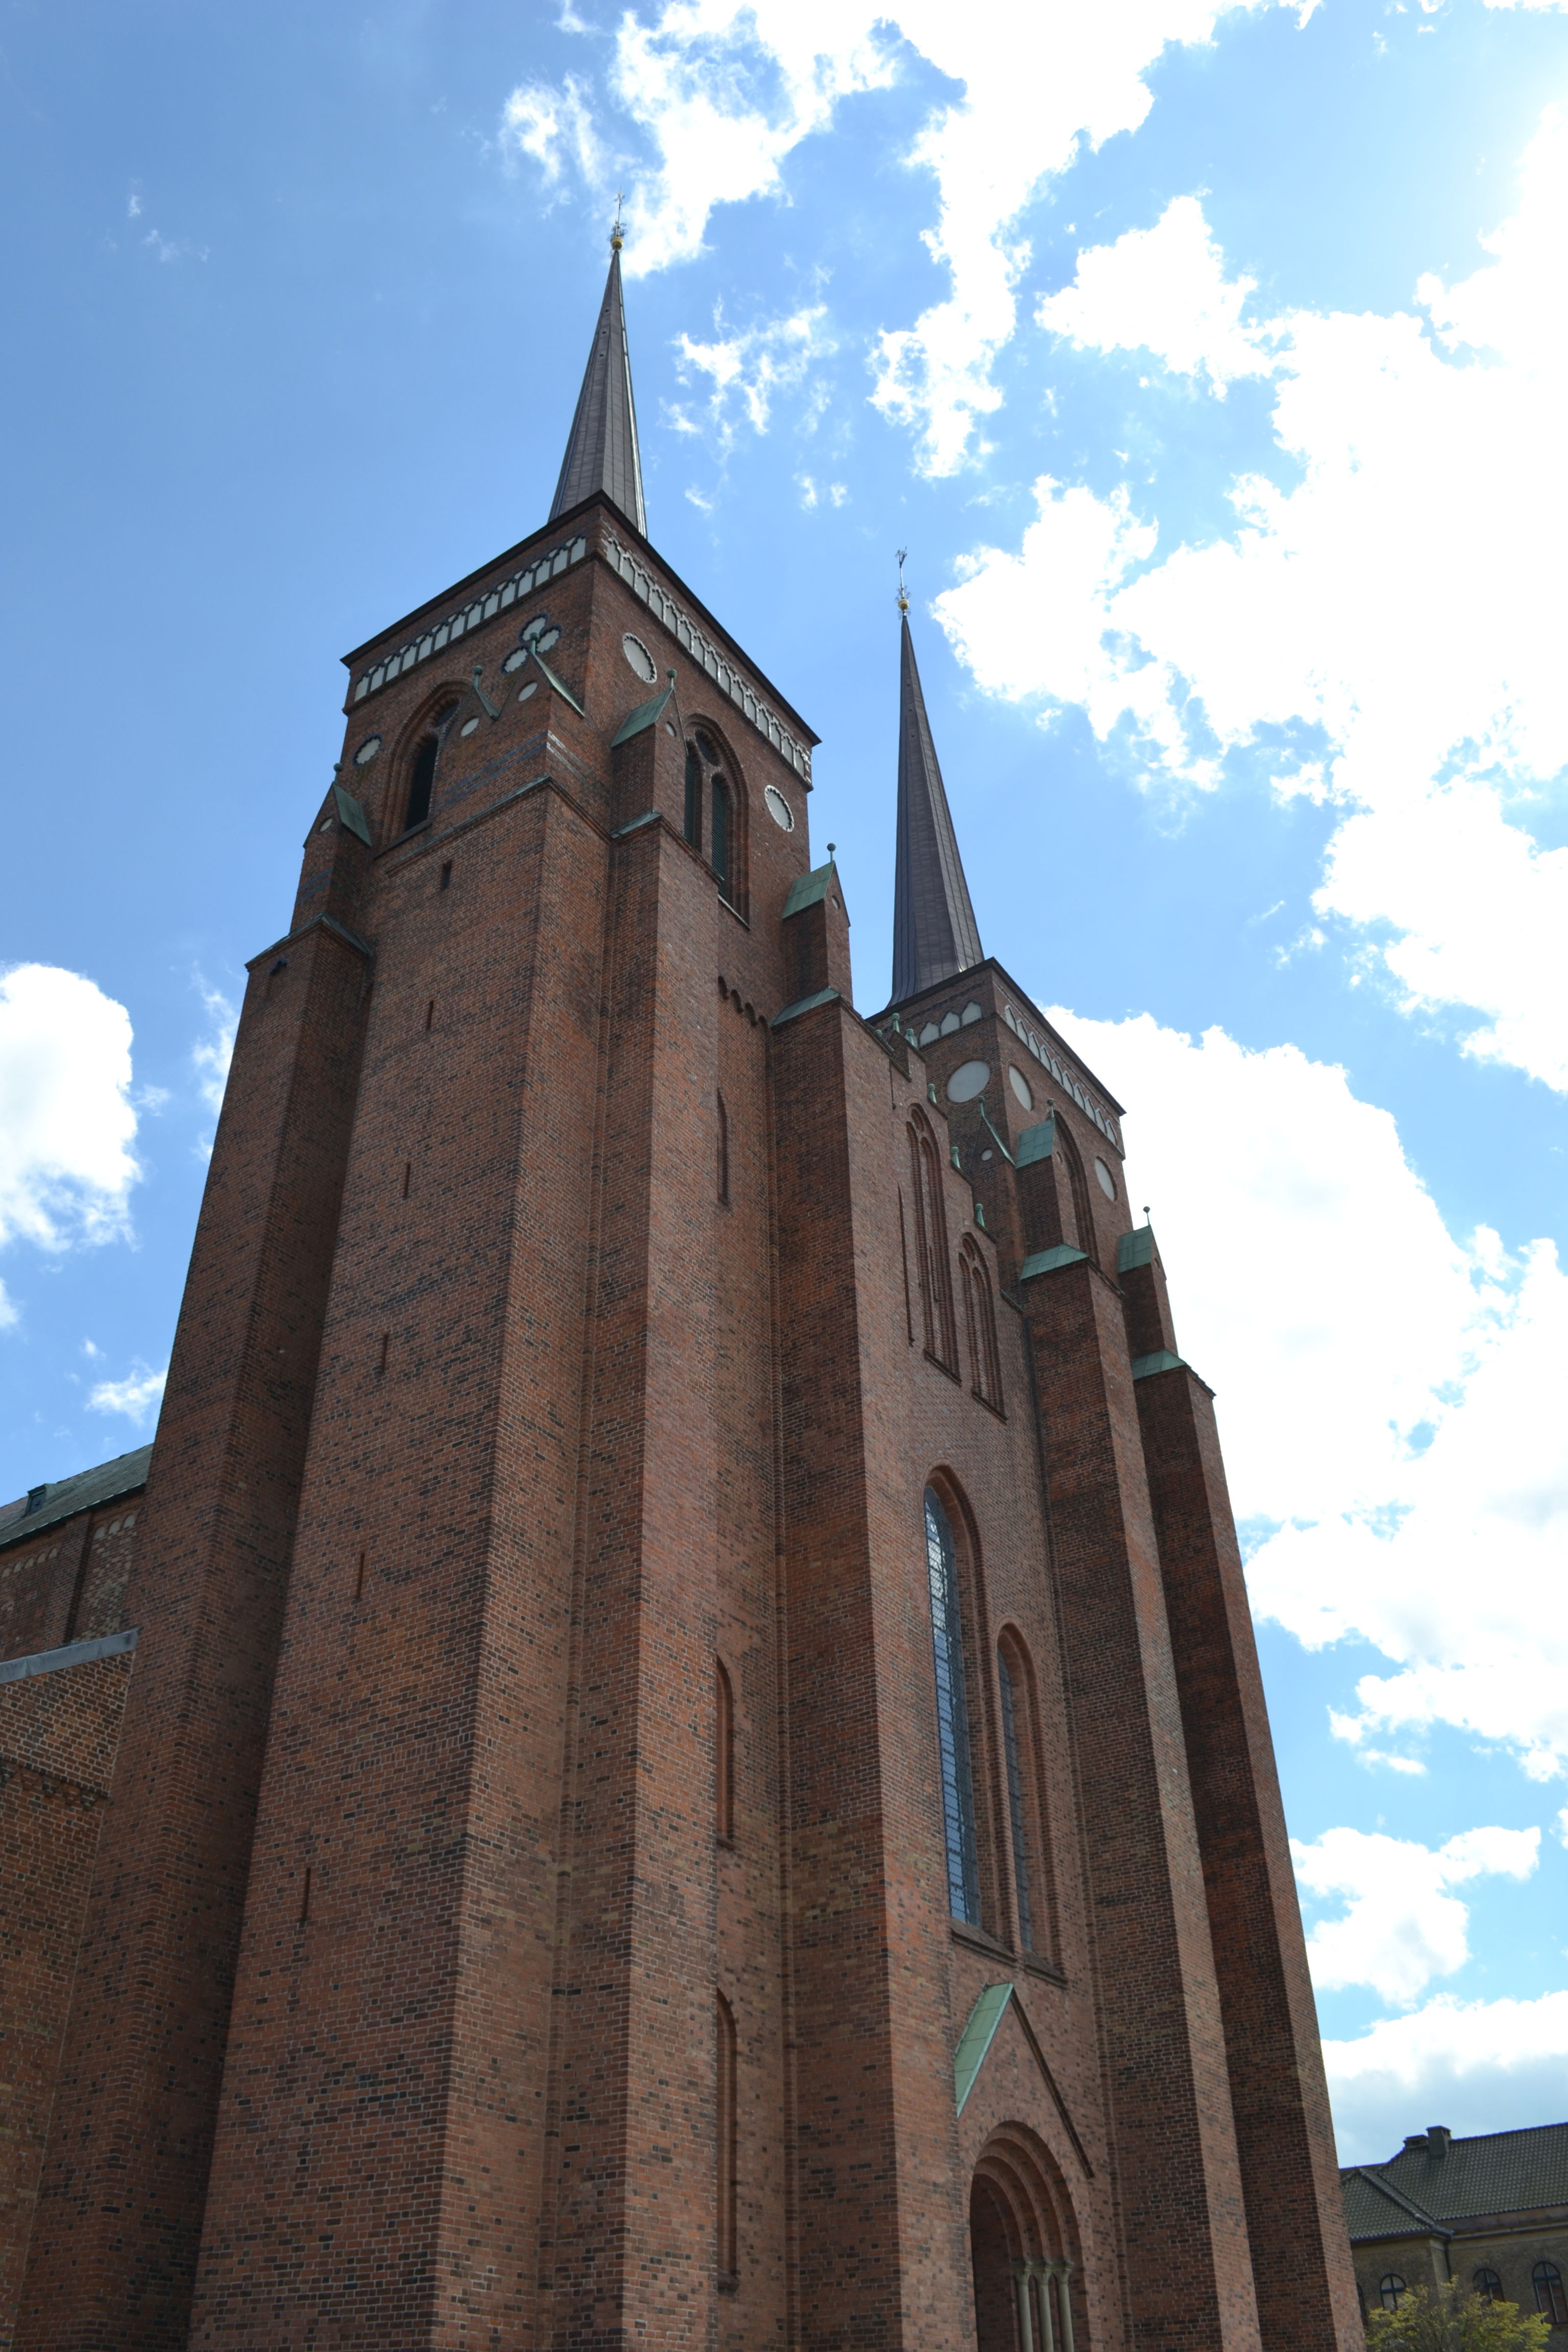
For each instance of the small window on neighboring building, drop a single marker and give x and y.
(1487, 2285)
(1390, 2287)
(1547, 2280)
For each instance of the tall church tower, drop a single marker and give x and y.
(694, 1773)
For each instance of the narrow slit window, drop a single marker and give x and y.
(723, 1155)
(727, 2119)
(719, 853)
(951, 1716)
(693, 797)
(1018, 1791)
(724, 1756)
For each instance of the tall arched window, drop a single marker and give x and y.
(724, 1756)
(422, 766)
(1082, 1214)
(930, 1245)
(1547, 2280)
(720, 834)
(980, 1316)
(1390, 2287)
(1026, 1813)
(727, 2118)
(952, 1715)
(693, 797)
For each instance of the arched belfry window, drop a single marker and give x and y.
(426, 759)
(930, 1245)
(980, 1317)
(955, 1753)
(713, 801)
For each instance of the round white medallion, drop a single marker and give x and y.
(468, 726)
(1107, 1181)
(1020, 1085)
(778, 808)
(367, 751)
(525, 691)
(970, 1079)
(641, 659)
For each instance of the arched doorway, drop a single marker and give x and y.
(1024, 2250)
(991, 2256)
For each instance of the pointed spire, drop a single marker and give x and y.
(602, 450)
(934, 931)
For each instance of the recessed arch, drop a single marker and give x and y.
(420, 752)
(1021, 2214)
(718, 806)
(961, 1650)
(1032, 1878)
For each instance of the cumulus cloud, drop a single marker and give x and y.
(136, 1396)
(1481, 2065)
(67, 1119)
(747, 370)
(1164, 289)
(719, 93)
(1403, 602)
(1386, 1392)
(1402, 1925)
(211, 1054)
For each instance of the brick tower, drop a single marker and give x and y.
(693, 1770)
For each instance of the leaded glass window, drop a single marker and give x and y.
(951, 1716)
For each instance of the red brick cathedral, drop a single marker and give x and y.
(675, 1758)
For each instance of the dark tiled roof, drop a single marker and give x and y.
(1497, 2172)
(88, 1488)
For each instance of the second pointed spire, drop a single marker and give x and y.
(935, 935)
(602, 450)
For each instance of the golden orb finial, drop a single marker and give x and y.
(616, 238)
(903, 592)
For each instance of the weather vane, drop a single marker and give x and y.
(903, 592)
(615, 231)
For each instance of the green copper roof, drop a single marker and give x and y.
(1048, 1261)
(809, 890)
(1136, 1248)
(976, 2039)
(1037, 1142)
(643, 716)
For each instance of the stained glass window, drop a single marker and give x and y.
(951, 1716)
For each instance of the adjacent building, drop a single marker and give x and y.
(1491, 2211)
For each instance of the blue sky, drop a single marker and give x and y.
(1210, 362)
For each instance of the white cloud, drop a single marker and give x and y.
(135, 1396)
(1402, 1925)
(211, 1054)
(720, 92)
(747, 369)
(1164, 289)
(66, 1120)
(1387, 1396)
(1483, 2065)
(1406, 597)
(10, 1313)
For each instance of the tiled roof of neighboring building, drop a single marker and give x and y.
(1497, 2172)
(62, 1500)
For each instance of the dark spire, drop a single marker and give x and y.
(602, 450)
(934, 931)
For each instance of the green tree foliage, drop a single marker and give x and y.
(1455, 2319)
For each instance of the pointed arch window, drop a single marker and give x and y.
(1025, 1812)
(426, 759)
(1547, 2280)
(980, 1319)
(955, 1754)
(930, 1245)
(693, 796)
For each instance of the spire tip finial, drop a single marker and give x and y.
(617, 236)
(903, 592)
